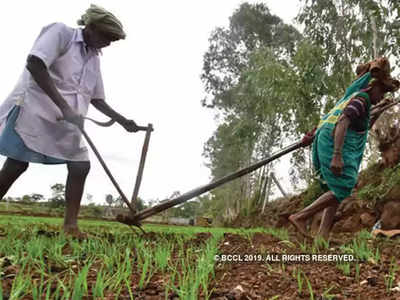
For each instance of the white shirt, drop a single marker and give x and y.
(75, 70)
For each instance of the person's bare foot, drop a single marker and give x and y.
(299, 225)
(74, 232)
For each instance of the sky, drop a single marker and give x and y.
(153, 76)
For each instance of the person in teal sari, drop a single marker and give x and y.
(339, 144)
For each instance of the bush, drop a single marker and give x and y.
(94, 211)
(314, 191)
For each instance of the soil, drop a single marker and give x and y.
(260, 280)
(266, 280)
(254, 279)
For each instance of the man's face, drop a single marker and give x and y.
(96, 38)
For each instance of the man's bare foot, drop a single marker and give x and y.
(299, 225)
(75, 232)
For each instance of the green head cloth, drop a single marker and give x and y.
(104, 20)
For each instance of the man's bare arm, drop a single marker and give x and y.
(102, 106)
(40, 74)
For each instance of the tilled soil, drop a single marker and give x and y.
(278, 280)
(251, 278)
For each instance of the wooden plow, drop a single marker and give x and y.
(136, 217)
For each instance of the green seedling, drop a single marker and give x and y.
(326, 295)
(299, 282)
(357, 267)
(320, 243)
(310, 290)
(344, 267)
(98, 289)
(146, 271)
(389, 278)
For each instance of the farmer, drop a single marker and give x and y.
(40, 121)
(340, 140)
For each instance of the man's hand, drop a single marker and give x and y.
(337, 164)
(71, 116)
(129, 125)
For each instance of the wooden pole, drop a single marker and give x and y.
(205, 188)
(267, 193)
(278, 184)
(141, 167)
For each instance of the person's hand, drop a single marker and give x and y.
(337, 164)
(387, 101)
(308, 138)
(71, 116)
(129, 125)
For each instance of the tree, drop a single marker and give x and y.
(119, 202)
(89, 198)
(251, 26)
(36, 197)
(352, 32)
(109, 199)
(26, 199)
(268, 89)
(140, 204)
(58, 195)
(249, 128)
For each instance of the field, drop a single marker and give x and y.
(176, 262)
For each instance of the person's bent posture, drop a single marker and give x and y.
(62, 77)
(339, 144)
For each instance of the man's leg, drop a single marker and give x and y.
(77, 173)
(10, 172)
(327, 220)
(299, 220)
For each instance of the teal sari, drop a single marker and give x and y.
(353, 147)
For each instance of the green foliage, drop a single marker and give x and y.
(314, 190)
(268, 83)
(92, 210)
(251, 27)
(352, 31)
(391, 276)
(240, 66)
(187, 210)
(385, 181)
(58, 197)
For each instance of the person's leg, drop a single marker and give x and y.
(327, 220)
(299, 220)
(10, 172)
(77, 173)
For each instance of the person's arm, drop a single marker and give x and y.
(102, 106)
(378, 110)
(374, 118)
(340, 132)
(40, 74)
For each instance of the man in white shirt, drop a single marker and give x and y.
(62, 77)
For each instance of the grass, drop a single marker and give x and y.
(115, 263)
(299, 278)
(391, 276)
(344, 267)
